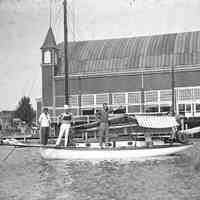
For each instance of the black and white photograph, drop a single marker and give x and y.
(100, 100)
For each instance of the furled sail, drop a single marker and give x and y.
(156, 121)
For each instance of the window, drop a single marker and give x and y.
(73, 100)
(134, 109)
(47, 56)
(121, 109)
(197, 107)
(185, 94)
(165, 95)
(102, 98)
(134, 98)
(151, 96)
(196, 93)
(165, 108)
(119, 98)
(87, 100)
(151, 108)
(88, 111)
(181, 109)
(188, 108)
(56, 58)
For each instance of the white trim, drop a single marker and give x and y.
(95, 99)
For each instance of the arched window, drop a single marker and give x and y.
(47, 56)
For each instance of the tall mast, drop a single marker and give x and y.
(66, 54)
(142, 92)
(173, 91)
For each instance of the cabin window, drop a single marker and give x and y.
(121, 109)
(89, 111)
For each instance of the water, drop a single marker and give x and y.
(25, 175)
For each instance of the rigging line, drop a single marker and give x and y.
(34, 80)
(9, 153)
(57, 10)
(58, 25)
(58, 17)
(72, 16)
(50, 13)
(54, 11)
(75, 31)
(24, 88)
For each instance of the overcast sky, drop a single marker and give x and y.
(24, 23)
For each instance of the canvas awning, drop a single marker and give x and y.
(156, 121)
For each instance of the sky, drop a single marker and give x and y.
(24, 24)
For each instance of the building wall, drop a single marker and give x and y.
(128, 83)
(125, 90)
(47, 84)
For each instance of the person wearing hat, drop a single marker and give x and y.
(45, 122)
(65, 118)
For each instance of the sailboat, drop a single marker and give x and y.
(131, 137)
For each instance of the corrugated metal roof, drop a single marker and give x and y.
(124, 54)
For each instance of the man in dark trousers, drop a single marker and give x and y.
(102, 116)
(45, 122)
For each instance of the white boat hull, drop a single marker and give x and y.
(110, 154)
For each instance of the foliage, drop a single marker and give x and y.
(25, 110)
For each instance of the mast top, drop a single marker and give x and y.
(66, 54)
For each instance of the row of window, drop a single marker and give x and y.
(188, 109)
(134, 98)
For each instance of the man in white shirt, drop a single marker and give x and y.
(45, 122)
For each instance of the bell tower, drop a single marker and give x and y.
(48, 63)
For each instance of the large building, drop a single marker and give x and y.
(115, 70)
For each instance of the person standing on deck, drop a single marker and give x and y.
(65, 119)
(45, 122)
(102, 116)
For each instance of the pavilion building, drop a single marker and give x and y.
(116, 70)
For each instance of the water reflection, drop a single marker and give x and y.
(25, 175)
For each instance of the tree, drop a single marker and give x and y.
(25, 111)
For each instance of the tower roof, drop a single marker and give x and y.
(49, 41)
